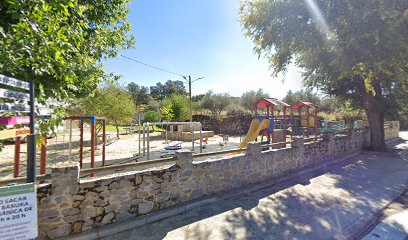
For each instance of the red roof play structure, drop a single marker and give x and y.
(267, 102)
(299, 105)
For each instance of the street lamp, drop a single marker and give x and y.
(189, 92)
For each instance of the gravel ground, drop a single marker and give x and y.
(124, 149)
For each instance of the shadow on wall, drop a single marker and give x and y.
(283, 210)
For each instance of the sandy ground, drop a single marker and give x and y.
(122, 150)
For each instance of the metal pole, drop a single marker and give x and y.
(81, 142)
(144, 139)
(31, 143)
(201, 138)
(93, 131)
(148, 141)
(139, 134)
(191, 105)
(192, 133)
(104, 142)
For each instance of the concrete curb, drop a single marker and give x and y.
(114, 228)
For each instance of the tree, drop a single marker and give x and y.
(216, 103)
(140, 94)
(60, 44)
(161, 91)
(353, 49)
(151, 116)
(153, 105)
(248, 99)
(179, 107)
(112, 102)
(302, 95)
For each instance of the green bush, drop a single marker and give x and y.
(178, 105)
(152, 116)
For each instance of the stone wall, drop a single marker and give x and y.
(391, 131)
(69, 205)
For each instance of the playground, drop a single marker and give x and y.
(84, 139)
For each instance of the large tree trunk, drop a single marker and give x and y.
(375, 116)
(376, 126)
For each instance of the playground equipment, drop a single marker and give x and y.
(146, 127)
(268, 122)
(94, 132)
(17, 134)
(304, 118)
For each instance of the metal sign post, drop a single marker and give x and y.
(19, 220)
(16, 101)
(31, 144)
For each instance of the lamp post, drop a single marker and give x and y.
(189, 93)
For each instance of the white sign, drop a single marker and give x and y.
(139, 116)
(18, 212)
(14, 82)
(10, 94)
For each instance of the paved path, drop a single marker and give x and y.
(333, 203)
(393, 222)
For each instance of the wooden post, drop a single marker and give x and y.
(93, 131)
(43, 165)
(70, 140)
(104, 142)
(81, 142)
(308, 119)
(300, 118)
(292, 121)
(272, 121)
(17, 145)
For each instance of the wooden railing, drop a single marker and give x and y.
(42, 177)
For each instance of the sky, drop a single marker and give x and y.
(201, 38)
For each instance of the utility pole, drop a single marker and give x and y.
(189, 93)
(191, 101)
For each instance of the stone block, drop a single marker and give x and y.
(107, 218)
(114, 185)
(100, 203)
(61, 231)
(69, 212)
(162, 197)
(255, 148)
(101, 188)
(50, 213)
(138, 179)
(78, 198)
(145, 207)
(77, 227)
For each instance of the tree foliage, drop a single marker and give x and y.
(248, 99)
(179, 107)
(112, 102)
(302, 95)
(216, 103)
(353, 49)
(161, 91)
(140, 94)
(60, 44)
(151, 116)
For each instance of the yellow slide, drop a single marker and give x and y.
(254, 129)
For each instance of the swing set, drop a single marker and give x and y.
(95, 129)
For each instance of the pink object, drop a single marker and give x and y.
(15, 120)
